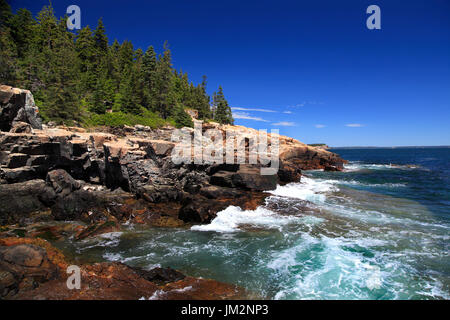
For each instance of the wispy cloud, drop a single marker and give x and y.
(287, 112)
(354, 125)
(252, 109)
(284, 124)
(298, 105)
(320, 126)
(247, 116)
(304, 103)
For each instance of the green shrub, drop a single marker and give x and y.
(182, 119)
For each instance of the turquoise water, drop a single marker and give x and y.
(375, 231)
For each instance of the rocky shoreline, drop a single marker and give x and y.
(99, 179)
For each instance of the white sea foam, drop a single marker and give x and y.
(110, 239)
(357, 183)
(357, 166)
(111, 235)
(309, 189)
(183, 289)
(112, 256)
(157, 295)
(327, 270)
(231, 218)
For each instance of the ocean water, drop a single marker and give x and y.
(378, 230)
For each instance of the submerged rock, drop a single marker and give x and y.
(31, 269)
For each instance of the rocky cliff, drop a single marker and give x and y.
(69, 171)
(107, 176)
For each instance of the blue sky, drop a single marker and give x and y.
(309, 68)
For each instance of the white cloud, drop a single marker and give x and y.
(247, 116)
(252, 109)
(320, 126)
(304, 103)
(284, 124)
(297, 105)
(354, 125)
(287, 112)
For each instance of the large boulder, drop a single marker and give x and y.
(247, 177)
(289, 171)
(24, 267)
(19, 201)
(61, 182)
(20, 127)
(17, 105)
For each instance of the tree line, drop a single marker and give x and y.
(76, 76)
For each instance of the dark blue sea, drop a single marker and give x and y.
(378, 230)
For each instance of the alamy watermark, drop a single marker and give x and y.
(374, 20)
(239, 148)
(74, 280)
(74, 18)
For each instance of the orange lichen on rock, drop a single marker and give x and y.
(54, 255)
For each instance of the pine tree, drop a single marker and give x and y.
(5, 13)
(104, 91)
(149, 78)
(8, 48)
(59, 67)
(125, 100)
(113, 63)
(223, 113)
(182, 119)
(125, 56)
(163, 82)
(86, 51)
(100, 38)
(138, 79)
(22, 27)
(202, 100)
(65, 71)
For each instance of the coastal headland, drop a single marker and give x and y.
(92, 181)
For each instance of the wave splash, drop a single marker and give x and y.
(230, 220)
(353, 250)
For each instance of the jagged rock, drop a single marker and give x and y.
(98, 228)
(61, 182)
(223, 179)
(160, 276)
(200, 211)
(246, 177)
(19, 201)
(32, 269)
(214, 192)
(249, 177)
(192, 112)
(136, 163)
(16, 160)
(17, 105)
(162, 148)
(21, 127)
(21, 174)
(24, 267)
(289, 172)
